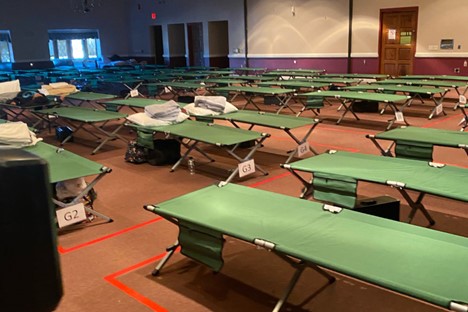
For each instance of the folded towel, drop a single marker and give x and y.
(214, 103)
(17, 134)
(168, 111)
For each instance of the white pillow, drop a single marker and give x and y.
(229, 108)
(198, 111)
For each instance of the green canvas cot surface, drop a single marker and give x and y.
(267, 119)
(89, 96)
(297, 84)
(365, 96)
(446, 181)
(417, 82)
(176, 84)
(255, 90)
(432, 136)
(205, 132)
(134, 102)
(82, 114)
(64, 165)
(400, 88)
(356, 75)
(412, 260)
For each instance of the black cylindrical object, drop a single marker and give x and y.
(30, 270)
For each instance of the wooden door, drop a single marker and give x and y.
(195, 44)
(157, 46)
(398, 40)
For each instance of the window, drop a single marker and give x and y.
(6, 51)
(74, 44)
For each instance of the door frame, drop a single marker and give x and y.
(394, 10)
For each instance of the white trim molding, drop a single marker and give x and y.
(299, 55)
(309, 55)
(362, 55)
(442, 54)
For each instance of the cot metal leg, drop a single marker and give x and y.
(84, 192)
(248, 157)
(315, 111)
(288, 289)
(249, 99)
(300, 267)
(347, 108)
(87, 209)
(109, 136)
(75, 129)
(169, 252)
(438, 103)
(416, 205)
(284, 103)
(395, 110)
(308, 189)
(15, 115)
(299, 142)
(384, 152)
(464, 121)
(190, 148)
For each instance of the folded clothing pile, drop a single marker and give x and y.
(168, 111)
(209, 106)
(159, 115)
(213, 103)
(58, 88)
(17, 134)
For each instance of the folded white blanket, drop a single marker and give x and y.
(57, 88)
(143, 119)
(8, 96)
(17, 134)
(214, 103)
(10, 86)
(168, 111)
(58, 84)
(191, 109)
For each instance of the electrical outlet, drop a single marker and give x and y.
(456, 70)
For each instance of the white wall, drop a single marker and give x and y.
(317, 27)
(437, 19)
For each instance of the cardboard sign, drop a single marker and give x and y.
(70, 215)
(246, 168)
(303, 149)
(133, 93)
